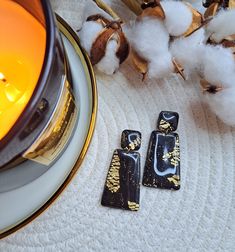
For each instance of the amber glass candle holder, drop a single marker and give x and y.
(45, 125)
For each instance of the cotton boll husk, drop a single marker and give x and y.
(178, 17)
(150, 39)
(109, 64)
(223, 104)
(188, 51)
(222, 25)
(88, 34)
(90, 29)
(218, 66)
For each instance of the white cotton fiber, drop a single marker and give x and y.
(148, 35)
(222, 25)
(223, 104)
(91, 8)
(109, 64)
(219, 69)
(150, 39)
(188, 51)
(178, 17)
(219, 66)
(161, 66)
(88, 34)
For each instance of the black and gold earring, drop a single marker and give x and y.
(162, 167)
(122, 186)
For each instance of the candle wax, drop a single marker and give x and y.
(22, 51)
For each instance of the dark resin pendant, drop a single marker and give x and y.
(122, 186)
(162, 167)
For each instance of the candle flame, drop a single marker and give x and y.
(12, 93)
(2, 77)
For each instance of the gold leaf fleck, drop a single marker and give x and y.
(133, 206)
(175, 180)
(113, 178)
(164, 125)
(173, 156)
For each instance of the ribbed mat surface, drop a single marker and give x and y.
(199, 217)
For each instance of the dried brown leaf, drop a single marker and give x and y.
(99, 19)
(156, 12)
(196, 22)
(229, 42)
(140, 64)
(204, 23)
(231, 4)
(99, 46)
(211, 10)
(123, 47)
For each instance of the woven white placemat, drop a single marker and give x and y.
(199, 217)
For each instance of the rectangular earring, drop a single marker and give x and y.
(122, 186)
(162, 167)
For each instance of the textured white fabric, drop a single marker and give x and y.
(200, 217)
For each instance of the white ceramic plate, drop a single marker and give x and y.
(20, 206)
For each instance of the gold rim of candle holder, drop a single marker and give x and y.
(57, 134)
(71, 35)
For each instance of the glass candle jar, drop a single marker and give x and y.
(37, 107)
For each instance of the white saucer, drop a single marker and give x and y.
(20, 206)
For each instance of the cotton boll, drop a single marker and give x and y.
(218, 66)
(219, 69)
(222, 25)
(106, 45)
(161, 66)
(188, 51)
(109, 63)
(223, 104)
(88, 34)
(178, 17)
(90, 29)
(148, 36)
(150, 39)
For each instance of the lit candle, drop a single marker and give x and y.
(22, 50)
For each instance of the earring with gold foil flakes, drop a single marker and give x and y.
(162, 167)
(122, 186)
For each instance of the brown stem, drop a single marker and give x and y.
(107, 9)
(134, 5)
(178, 69)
